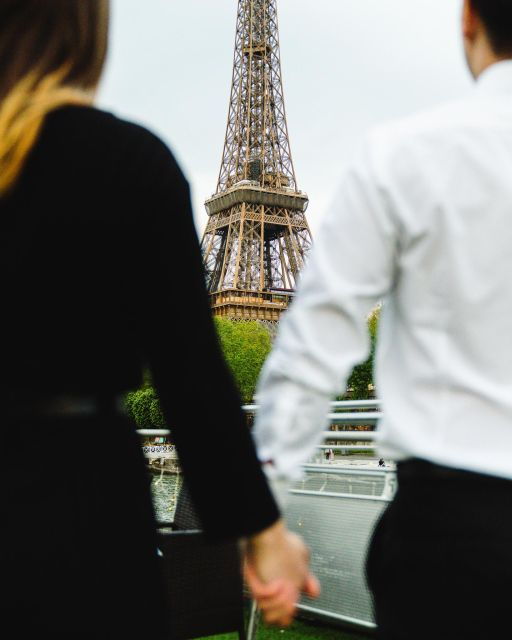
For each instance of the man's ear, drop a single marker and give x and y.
(470, 22)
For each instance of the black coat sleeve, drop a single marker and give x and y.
(197, 393)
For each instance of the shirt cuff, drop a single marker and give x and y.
(279, 485)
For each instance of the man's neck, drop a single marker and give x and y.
(490, 63)
(484, 57)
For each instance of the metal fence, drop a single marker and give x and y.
(335, 511)
(335, 507)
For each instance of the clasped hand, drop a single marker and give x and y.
(277, 572)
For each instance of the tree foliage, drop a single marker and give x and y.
(144, 407)
(246, 346)
(361, 381)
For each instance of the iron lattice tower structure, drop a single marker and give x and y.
(257, 234)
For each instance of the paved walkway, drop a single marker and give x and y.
(365, 462)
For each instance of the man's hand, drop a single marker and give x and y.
(277, 571)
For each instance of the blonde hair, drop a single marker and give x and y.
(51, 54)
(22, 115)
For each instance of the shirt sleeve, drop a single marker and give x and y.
(197, 393)
(324, 334)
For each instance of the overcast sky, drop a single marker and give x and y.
(347, 65)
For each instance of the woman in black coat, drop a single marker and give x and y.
(101, 275)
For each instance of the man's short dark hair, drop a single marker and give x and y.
(497, 18)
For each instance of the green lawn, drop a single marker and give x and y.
(298, 631)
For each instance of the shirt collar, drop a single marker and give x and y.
(496, 79)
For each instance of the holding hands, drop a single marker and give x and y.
(277, 572)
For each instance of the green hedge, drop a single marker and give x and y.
(245, 346)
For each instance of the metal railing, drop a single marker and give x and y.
(330, 505)
(351, 413)
(334, 503)
(342, 413)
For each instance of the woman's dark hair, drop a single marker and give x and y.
(52, 53)
(44, 35)
(497, 18)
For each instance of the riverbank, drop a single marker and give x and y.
(354, 460)
(175, 470)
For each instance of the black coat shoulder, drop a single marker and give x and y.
(109, 147)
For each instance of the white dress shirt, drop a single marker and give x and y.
(422, 222)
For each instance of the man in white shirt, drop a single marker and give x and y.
(423, 222)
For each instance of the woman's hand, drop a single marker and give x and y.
(277, 572)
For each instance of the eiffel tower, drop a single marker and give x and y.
(257, 235)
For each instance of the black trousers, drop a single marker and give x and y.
(440, 561)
